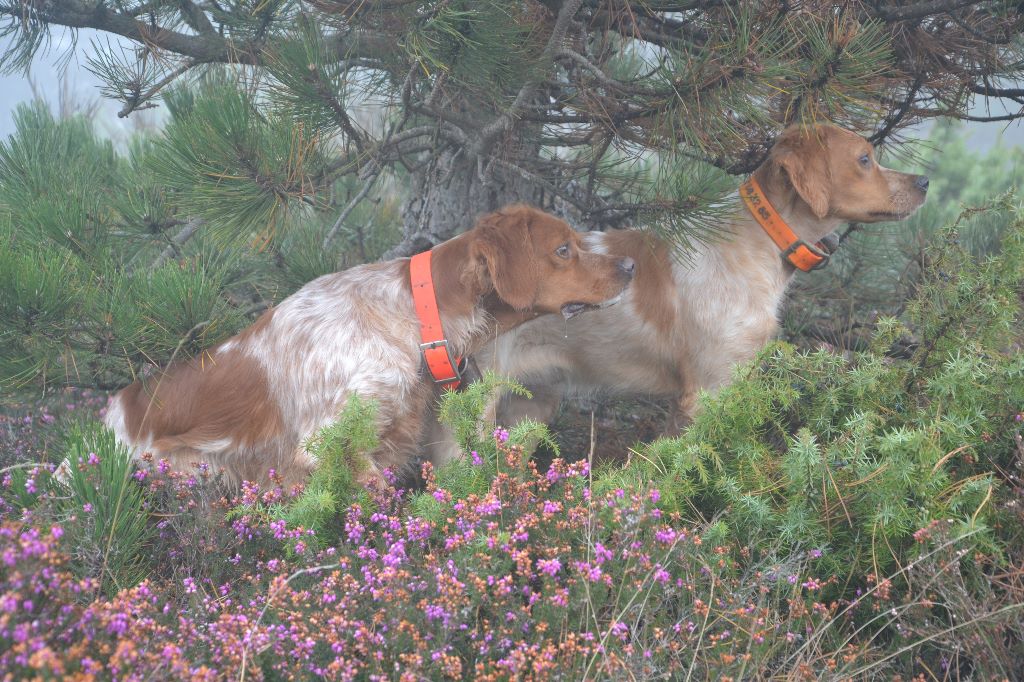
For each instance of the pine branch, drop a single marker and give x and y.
(606, 80)
(367, 185)
(208, 47)
(139, 102)
(921, 9)
(196, 18)
(990, 91)
(184, 234)
(893, 119)
(505, 121)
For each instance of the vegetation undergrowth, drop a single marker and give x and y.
(827, 516)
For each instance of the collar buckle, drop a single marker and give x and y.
(456, 364)
(815, 250)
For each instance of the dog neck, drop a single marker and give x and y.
(790, 206)
(471, 311)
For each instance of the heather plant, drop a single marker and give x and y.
(463, 412)
(96, 495)
(541, 576)
(851, 453)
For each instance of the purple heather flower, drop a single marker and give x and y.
(501, 435)
(476, 458)
(549, 566)
(93, 460)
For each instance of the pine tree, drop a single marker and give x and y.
(270, 170)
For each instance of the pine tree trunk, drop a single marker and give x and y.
(448, 194)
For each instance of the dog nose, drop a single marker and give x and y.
(627, 266)
(922, 183)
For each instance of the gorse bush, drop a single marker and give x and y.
(463, 412)
(338, 450)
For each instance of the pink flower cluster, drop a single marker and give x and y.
(536, 578)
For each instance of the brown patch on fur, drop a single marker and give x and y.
(653, 286)
(503, 244)
(211, 397)
(805, 161)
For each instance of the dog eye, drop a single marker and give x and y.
(865, 160)
(562, 251)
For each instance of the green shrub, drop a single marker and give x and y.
(103, 508)
(338, 450)
(472, 474)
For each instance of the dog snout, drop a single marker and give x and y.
(922, 182)
(627, 266)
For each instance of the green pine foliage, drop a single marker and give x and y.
(490, 48)
(246, 172)
(106, 268)
(850, 453)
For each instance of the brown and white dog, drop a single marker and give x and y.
(683, 326)
(250, 403)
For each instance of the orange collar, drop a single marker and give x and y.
(436, 354)
(795, 251)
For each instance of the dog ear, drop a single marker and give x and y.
(505, 249)
(804, 160)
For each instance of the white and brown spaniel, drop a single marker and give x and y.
(250, 403)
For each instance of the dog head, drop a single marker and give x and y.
(534, 261)
(835, 173)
